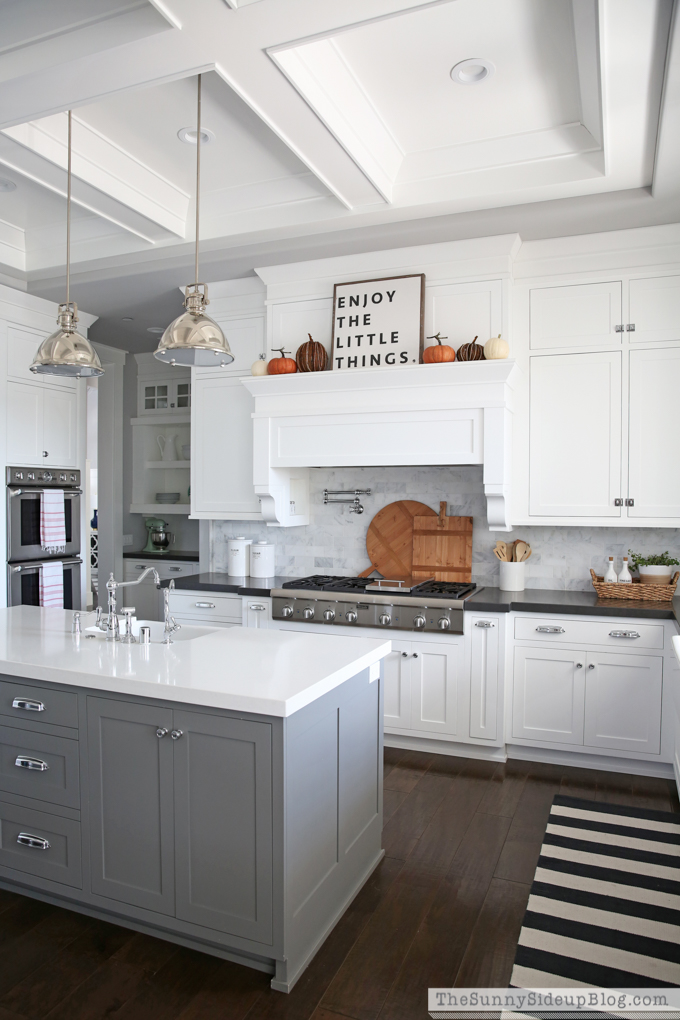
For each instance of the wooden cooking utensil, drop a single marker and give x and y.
(389, 539)
(442, 547)
(499, 555)
(502, 549)
(521, 549)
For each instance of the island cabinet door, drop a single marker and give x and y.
(223, 824)
(132, 840)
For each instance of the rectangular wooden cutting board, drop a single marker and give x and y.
(442, 547)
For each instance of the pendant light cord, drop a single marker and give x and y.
(68, 216)
(198, 170)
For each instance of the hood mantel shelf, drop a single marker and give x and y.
(453, 414)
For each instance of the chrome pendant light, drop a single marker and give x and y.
(66, 352)
(194, 338)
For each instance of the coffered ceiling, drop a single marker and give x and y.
(333, 122)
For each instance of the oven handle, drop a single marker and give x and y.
(31, 566)
(36, 492)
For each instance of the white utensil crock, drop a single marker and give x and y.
(238, 553)
(262, 560)
(512, 576)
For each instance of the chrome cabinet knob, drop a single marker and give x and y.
(351, 616)
(579, 665)
(329, 615)
(419, 622)
(308, 613)
(176, 734)
(591, 666)
(161, 732)
(404, 655)
(443, 623)
(385, 620)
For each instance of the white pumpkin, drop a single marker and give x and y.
(259, 367)
(496, 348)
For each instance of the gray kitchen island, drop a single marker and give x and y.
(223, 792)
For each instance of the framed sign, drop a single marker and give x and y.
(378, 323)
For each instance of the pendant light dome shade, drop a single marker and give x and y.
(66, 352)
(194, 338)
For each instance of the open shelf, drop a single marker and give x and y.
(159, 509)
(167, 465)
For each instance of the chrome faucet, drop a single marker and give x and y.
(110, 624)
(169, 625)
(76, 628)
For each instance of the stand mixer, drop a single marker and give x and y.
(159, 537)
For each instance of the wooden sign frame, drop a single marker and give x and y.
(400, 309)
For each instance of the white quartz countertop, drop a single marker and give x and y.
(270, 672)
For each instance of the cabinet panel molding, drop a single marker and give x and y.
(579, 315)
(548, 695)
(623, 702)
(654, 436)
(654, 309)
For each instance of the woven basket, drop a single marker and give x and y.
(635, 591)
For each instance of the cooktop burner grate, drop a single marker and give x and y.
(359, 585)
(442, 589)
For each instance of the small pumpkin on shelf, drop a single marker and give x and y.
(471, 352)
(311, 356)
(281, 365)
(259, 367)
(438, 352)
(496, 349)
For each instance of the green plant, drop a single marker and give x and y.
(658, 560)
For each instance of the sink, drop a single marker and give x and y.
(187, 633)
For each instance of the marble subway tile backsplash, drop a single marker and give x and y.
(335, 540)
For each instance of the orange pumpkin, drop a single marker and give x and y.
(471, 352)
(281, 365)
(311, 356)
(439, 351)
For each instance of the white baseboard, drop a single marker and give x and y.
(455, 750)
(577, 759)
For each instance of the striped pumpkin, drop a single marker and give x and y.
(311, 356)
(471, 352)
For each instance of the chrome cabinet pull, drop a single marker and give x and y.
(37, 764)
(160, 732)
(176, 734)
(624, 634)
(484, 623)
(205, 605)
(630, 502)
(550, 630)
(175, 569)
(36, 842)
(618, 501)
(257, 607)
(28, 705)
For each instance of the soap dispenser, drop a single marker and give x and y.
(610, 573)
(625, 576)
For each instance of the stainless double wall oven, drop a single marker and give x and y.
(25, 554)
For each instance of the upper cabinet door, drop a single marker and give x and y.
(24, 423)
(60, 417)
(245, 337)
(575, 444)
(653, 481)
(22, 344)
(654, 309)
(583, 315)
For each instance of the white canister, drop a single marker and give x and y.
(512, 576)
(262, 559)
(238, 556)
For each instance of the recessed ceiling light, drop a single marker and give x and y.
(188, 135)
(472, 71)
(6, 185)
(127, 318)
(156, 329)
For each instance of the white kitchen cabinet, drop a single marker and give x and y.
(623, 702)
(485, 663)
(654, 309)
(397, 674)
(222, 449)
(436, 670)
(22, 344)
(548, 695)
(578, 315)
(654, 436)
(41, 424)
(257, 612)
(575, 435)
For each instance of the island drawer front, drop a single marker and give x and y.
(49, 770)
(199, 605)
(617, 634)
(59, 861)
(38, 705)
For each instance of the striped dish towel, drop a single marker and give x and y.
(52, 521)
(52, 584)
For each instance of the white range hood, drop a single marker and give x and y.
(458, 413)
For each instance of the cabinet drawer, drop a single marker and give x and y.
(133, 568)
(57, 859)
(617, 634)
(206, 606)
(50, 769)
(196, 621)
(38, 705)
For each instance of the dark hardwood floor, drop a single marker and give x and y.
(443, 908)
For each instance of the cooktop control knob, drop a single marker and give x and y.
(287, 611)
(385, 620)
(329, 615)
(308, 613)
(419, 622)
(444, 623)
(351, 616)
(47, 476)
(74, 478)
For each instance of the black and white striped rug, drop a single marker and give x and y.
(604, 908)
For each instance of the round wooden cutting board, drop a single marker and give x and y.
(389, 540)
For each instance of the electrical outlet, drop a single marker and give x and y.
(128, 540)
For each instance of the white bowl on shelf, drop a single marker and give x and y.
(186, 451)
(167, 497)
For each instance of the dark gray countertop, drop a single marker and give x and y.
(581, 603)
(230, 585)
(182, 557)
